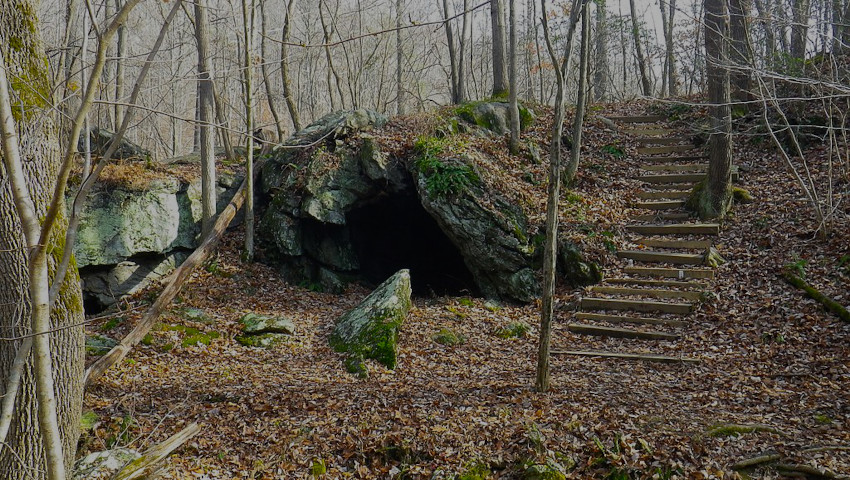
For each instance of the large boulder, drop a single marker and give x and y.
(370, 330)
(493, 115)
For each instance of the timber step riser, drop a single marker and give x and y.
(678, 178)
(649, 292)
(680, 273)
(686, 244)
(664, 150)
(657, 217)
(662, 257)
(668, 205)
(582, 329)
(635, 305)
(662, 141)
(654, 283)
(677, 229)
(672, 194)
(674, 158)
(620, 319)
(638, 119)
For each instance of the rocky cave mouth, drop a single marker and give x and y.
(393, 232)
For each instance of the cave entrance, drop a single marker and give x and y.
(395, 232)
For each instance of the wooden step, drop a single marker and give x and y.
(664, 194)
(679, 177)
(657, 217)
(613, 332)
(627, 356)
(674, 159)
(663, 257)
(664, 205)
(664, 243)
(676, 187)
(647, 131)
(680, 273)
(676, 228)
(635, 305)
(649, 292)
(665, 149)
(684, 167)
(616, 319)
(661, 140)
(654, 283)
(638, 118)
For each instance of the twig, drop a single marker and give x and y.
(758, 460)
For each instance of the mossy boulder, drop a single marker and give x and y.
(550, 470)
(575, 270)
(370, 330)
(256, 323)
(494, 115)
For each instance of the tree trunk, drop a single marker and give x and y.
(452, 53)
(600, 75)
(278, 125)
(769, 35)
(667, 21)
(739, 51)
(581, 102)
(641, 59)
(801, 10)
(121, 49)
(206, 112)
(514, 107)
(248, 29)
(461, 61)
(23, 454)
(500, 65)
(714, 198)
(284, 68)
(399, 56)
(550, 249)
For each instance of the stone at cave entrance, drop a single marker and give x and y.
(370, 330)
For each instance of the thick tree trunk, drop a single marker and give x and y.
(500, 65)
(264, 68)
(581, 102)
(23, 455)
(646, 86)
(452, 53)
(461, 61)
(715, 197)
(740, 54)
(801, 11)
(206, 112)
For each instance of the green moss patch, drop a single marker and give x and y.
(448, 337)
(513, 330)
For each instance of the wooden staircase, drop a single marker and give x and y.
(665, 277)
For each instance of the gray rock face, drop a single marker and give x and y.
(103, 465)
(370, 330)
(128, 238)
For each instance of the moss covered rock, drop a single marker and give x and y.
(256, 323)
(370, 330)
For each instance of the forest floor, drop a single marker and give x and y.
(769, 356)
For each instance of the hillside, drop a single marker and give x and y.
(770, 358)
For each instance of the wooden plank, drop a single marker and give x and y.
(635, 305)
(583, 329)
(649, 292)
(627, 356)
(602, 317)
(662, 205)
(656, 217)
(662, 140)
(665, 257)
(671, 186)
(665, 149)
(678, 177)
(664, 194)
(685, 167)
(680, 273)
(654, 283)
(674, 158)
(648, 131)
(638, 118)
(664, 243)
(676, 228)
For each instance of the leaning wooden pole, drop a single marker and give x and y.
(177, 280)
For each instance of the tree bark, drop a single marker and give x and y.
(452, 53)
(248, 30)
(514, 107)
(667, 21)
(500, 66)
(120, 52)
(278, 125)
(740, 54)
(288, 94)
(600, 75)
(23, 455)
(800, 11)
(646, 86)
(715, 197)
(581, 102)
(206, 112)
(461, 61)
(399, 56)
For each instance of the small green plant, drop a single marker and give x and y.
(477, 470)
(312, 286)
(443, 177)
(147, 340)
(448, 337)
(457, 312)
(513, 330)
(844, 264)
(536, 439)
(822, 419)
(797, 267)
(318, 468)
(111, 324)
(466, 302)
(613, 150)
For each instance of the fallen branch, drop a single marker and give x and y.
(147, 464)
(805, 470)
(175, 284)
(754, 461)
(734, 429)
(814, 293)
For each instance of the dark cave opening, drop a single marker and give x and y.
(395, 232)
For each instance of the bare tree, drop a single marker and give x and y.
(399, 57)
(668, 12)
(550, 249)
(264, 68)
(288, 94)
(514, 107)
(601, 71)
(641, 58)
(581, 102)
(453, 60)
(248, 54)
(206, 111)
